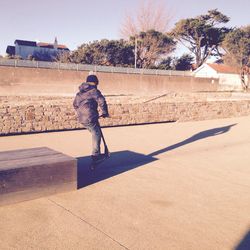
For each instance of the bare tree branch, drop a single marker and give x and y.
(150, 15)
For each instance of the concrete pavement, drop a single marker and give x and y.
(166, 186)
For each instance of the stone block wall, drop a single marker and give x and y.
(58, 114)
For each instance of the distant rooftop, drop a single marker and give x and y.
(51, 45)
(25, 43)
(222, 68)
(40, 44)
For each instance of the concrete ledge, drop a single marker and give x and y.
(32, 173)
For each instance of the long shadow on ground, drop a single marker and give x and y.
(118, 163)
(245, 243)
(196, 137)
(123, 161)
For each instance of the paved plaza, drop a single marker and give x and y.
(182, 186)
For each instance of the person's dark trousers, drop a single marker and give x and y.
(95, 130)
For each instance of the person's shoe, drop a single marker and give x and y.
(98, 158)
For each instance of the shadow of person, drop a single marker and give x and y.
(118, 163)
(126, 160)
(196, 137)
(245, 243)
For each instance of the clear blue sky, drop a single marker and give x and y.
(77, 21)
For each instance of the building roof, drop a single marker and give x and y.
(51, 45)
(40, 44)
(222, 68)
(25, 43)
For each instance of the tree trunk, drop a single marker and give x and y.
(248, 77)
(244, 81)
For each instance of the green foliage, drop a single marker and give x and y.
(105, 52)
(202, 35)
(165, 64)
(63, 57)
(151, 47)
(174, 63)
(183, 63)
(237, 47)
(215, 17)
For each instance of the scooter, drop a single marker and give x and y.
(106, 153)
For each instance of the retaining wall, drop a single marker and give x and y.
(38, 81)
(58, 114)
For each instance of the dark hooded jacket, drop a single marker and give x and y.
(86, 104)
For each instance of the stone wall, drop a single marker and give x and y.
(39, 114)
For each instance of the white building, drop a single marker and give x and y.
(229, 77)
(39, 51)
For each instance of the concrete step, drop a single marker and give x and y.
(36, 172)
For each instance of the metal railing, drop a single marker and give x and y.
(88, 67)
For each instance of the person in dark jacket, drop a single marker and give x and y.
(86, 105)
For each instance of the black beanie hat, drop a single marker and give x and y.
(92, 78)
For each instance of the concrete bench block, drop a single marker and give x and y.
(32, 173)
